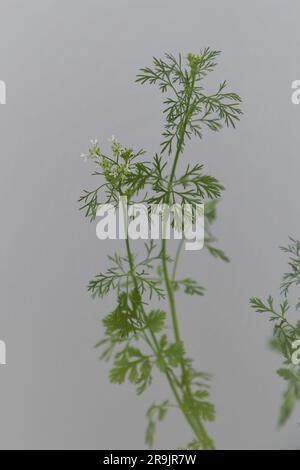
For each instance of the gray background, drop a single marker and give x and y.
(69, 66)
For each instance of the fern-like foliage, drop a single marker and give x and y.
(285, 332)
(140, 339)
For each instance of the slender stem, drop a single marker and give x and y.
(180, 404)
(179, 148)
(155, 347)
(178, 252)
(168, 284)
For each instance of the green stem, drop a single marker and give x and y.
(180, 143)
(154, 346)
(178, 252)
(179, 148)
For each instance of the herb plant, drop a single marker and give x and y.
(136, 337)
(286, 334)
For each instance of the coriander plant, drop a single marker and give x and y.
(137, 336)
(286, 334)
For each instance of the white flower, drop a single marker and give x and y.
(84, 156)
(116, 147)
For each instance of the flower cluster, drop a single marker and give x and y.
(194, 60)
(116, 147)
(114, 171)
(93, 153)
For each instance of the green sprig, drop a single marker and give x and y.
(137, 337)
